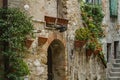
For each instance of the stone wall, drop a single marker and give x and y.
(112, 29)
(86, 67)
(73, 63)
(110, 26)
(37, 54)
(79, 66)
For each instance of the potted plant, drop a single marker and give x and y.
(81, 36)
(90, 47)
(98, 48)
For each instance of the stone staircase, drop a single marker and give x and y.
(115, 71)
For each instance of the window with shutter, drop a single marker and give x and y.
(93, 1)
(113, 8)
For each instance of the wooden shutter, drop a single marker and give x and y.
(113, 8)
(99, 1)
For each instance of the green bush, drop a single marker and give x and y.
(14, 26)
(18, 69)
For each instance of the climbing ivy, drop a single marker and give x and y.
(14, 26)
(92, 18)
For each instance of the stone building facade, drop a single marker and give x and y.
(112, 34)
(56, 58)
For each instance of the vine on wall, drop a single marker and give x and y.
(92, 32)
(14, 26)
(92, 18)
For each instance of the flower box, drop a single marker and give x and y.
(62, 21)
(50, 20)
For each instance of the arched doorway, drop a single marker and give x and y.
(56, 60)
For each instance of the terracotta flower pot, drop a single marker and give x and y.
(89, 52)
(96, 52)
(41, 40)
(79, 44)
(28, 42)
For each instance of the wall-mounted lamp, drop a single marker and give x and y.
(61, 28)
(26, 7)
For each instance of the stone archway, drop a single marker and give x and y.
(56, 60)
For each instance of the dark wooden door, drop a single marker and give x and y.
(116, 43)
(108, 51)
(49, 63)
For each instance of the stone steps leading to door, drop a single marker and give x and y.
(114, 78)
(115, 74)
(115, 71)
(116, 65)
(117, 60)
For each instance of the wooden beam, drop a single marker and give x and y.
(5, 3)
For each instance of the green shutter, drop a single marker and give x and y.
(95, 1)
(99, 1)
(113, 8)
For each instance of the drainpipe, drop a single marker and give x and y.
(57, 8)
(5, 43)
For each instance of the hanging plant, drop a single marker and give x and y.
(81, 37)
(92, 17)
(82, 34)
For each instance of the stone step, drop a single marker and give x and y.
(116, 65)
(117, 60)
(115, 69)
(114, 78)
(114, 74)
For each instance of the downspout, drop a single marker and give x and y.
(57, 8)
(5, 45)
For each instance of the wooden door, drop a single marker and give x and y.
(116, 45)
(108, 51)
(49, 63)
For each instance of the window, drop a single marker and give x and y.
(113, 4)
(93, 1)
